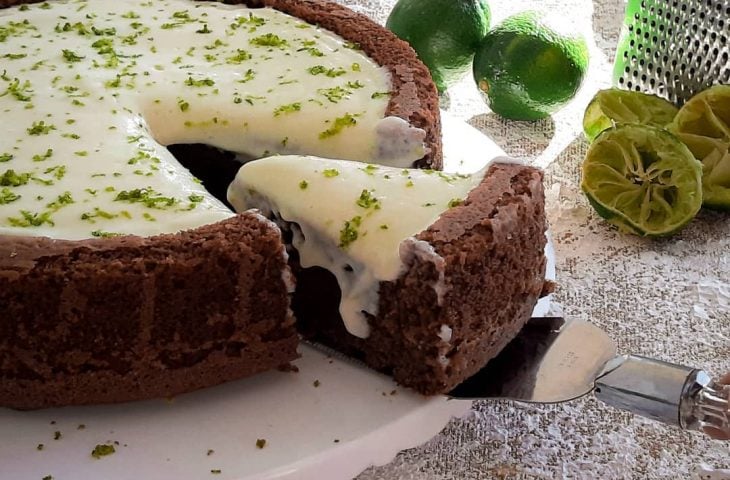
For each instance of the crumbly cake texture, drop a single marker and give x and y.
(492, 274)
(120, 319)
(127, 318)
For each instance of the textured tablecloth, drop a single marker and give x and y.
(668, 299)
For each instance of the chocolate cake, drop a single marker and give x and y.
(122, 278)
(124, 317)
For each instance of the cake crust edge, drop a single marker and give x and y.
(108, 320)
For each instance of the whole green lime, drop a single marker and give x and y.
(526, 70)
(444, 33)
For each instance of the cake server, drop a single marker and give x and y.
(553, 360)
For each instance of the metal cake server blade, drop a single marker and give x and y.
(552, 360)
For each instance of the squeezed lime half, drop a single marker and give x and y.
(613, 106)
(642, 179)
(703, 124)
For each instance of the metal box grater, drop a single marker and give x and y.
(674, 48)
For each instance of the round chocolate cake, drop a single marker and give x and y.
(122, 277)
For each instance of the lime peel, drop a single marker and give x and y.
(613, 106)
(703, 124)
(642, 179)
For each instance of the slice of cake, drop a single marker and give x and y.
(422, 274)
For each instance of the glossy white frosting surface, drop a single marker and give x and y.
(92, 91)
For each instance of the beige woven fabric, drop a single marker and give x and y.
(669, 299)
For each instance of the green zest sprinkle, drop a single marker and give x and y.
(269, 40)
(5, 157)
(102, 450)
(352, 45)
(349, 232)
(247, 77)
(384, 227)
(71, 57)
(12, 179)
(7, 196)
(205, 29)
(61, 201)
(379, 95)
(315, 52)
(340, 123)
(455, 202)
(334, 94)
(19, 90)
(355, 67)
(291, 108)
(184, 106)
(146, 196)
(367, 200)
(330, 72)
(303, 184)
(215, 471)
(40, 128)
(33, 220)
(205, 82)
(330, 172)
(102, 234)
(59, 171)
(196, 198)
(239, 57)
(370, 169)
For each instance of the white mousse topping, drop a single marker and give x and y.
(91, 91)
(356, 220)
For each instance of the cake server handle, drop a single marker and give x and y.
(677, 395)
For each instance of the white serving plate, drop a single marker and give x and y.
(353, 419)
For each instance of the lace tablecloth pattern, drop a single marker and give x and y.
(668, 299)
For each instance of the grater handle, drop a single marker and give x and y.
(682, 396)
